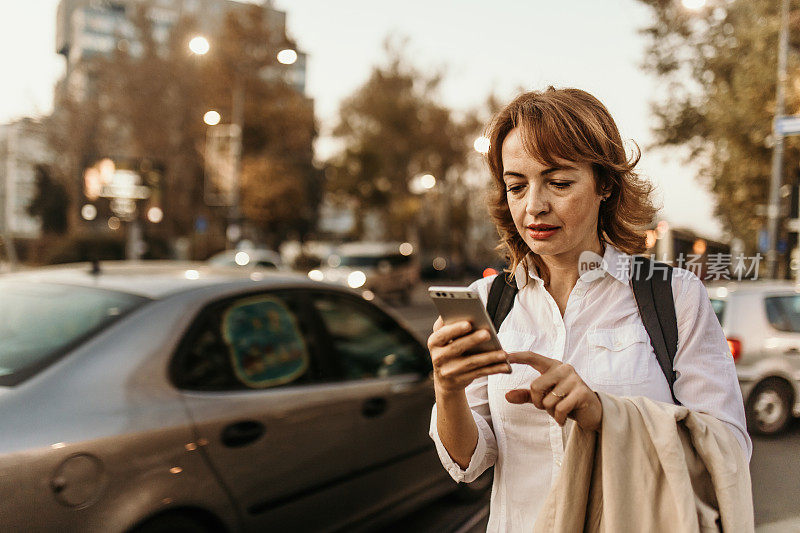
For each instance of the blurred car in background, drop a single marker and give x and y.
(761, 320)
(179, 397)
(386, 269)
(250, 258)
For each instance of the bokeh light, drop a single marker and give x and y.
(199, 45)
(113, 223)
(694, 5)
(242, 258)
(212, 118)
(406, 248)
(428, 181)
(287, 56)
(155, 214)
(88, 212)
(482, 145)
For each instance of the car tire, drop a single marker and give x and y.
(769, 407)
(471, 492)
(175, 522)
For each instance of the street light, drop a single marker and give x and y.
(199, 45)
(212, 118)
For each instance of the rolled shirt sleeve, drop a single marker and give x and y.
(485, 453)
(706, 379)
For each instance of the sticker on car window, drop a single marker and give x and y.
(266, 346)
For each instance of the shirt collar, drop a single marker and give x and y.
(615, 262)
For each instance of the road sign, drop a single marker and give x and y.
(763, 241)
(220, 163)
(788, 125)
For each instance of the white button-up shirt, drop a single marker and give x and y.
(602, 336)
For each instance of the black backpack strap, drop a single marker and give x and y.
(652, 287)
(500, 300)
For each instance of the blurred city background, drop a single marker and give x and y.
(343, 142)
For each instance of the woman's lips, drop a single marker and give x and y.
(540, 234)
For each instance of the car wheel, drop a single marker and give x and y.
(175, 522)
(769, 407)
(470, 492)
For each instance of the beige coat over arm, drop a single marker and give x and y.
(652, 467)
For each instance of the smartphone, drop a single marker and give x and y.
(456, 304)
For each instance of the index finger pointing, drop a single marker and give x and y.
(539, 362)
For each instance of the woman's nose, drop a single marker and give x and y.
(537, 202)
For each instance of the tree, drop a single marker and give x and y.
(50, 202)
(394, 129)
(146, 102)
(718, 68)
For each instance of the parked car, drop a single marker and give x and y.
(386, 269)
(249, 258)
(179, 397)
(762, 323)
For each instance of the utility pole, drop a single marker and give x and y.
(773, 209)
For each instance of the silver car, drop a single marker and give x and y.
(761, 320)
(168, 397)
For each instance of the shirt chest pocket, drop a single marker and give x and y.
(619, 356)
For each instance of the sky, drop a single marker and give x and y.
(483, 47)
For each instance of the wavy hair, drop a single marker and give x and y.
(570, 124)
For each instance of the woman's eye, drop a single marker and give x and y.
(561, 184)
(514, 188)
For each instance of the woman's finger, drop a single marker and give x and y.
(565, 406)
(559, 391)
(500, 368)
(519, 396)
(447, 333)
(462, 364)
(438, 324)
(541, 386)
(461, 345)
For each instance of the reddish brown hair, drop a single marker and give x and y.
(570, 124)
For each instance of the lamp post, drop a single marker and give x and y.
(200, 46)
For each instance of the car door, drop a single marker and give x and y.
(276, 433)
(388, 369)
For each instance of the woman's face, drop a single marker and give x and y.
(555, 209)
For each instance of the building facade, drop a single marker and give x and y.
(22, 146)
(86, 28)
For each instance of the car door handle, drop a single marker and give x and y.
(242, 433)
(374, 407)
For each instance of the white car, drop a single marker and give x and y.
(386, 269)
(761, 320)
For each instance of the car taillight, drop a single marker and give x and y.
(735, 346)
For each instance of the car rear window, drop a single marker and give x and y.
(719, 309)
(783, 312)
(41, 321)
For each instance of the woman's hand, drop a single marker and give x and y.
(452, 370)
(559, 390)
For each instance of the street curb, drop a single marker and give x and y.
(792, 525)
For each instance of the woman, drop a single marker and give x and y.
(564, 188)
